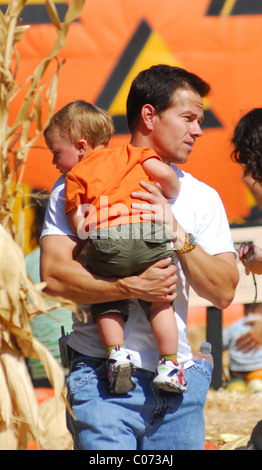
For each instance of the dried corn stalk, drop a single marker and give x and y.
(20, 299)
(15, 137)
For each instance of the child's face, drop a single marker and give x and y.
(65, 154)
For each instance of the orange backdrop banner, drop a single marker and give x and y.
(113, 40)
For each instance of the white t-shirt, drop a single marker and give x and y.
(199, 210)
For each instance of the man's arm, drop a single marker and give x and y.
(67, 278)
(212, 277)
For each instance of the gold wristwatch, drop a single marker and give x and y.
(189, 244)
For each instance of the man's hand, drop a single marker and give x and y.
(156, 284)
(156, 208)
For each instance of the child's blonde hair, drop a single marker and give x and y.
(82, 120)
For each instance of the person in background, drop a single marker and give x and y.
(246, 366)
(247, 151)
(255, 188)
(47, 329)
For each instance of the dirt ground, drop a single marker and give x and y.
(230, 416)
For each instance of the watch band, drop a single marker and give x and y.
(189, 244)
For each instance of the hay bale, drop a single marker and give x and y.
(231, 415)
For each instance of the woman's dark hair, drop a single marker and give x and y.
(156, 86)
(247, 141)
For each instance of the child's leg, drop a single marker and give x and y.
(169, 375)
(119, 365)
(111, 329)
(164, 328)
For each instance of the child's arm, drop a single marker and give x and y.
(74, 210)
(82, 220)
(74, 219)
(163, 174)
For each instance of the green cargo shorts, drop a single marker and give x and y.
(122, 251)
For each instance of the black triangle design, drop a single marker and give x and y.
(38, 14)
(120, 72)
(241, 7)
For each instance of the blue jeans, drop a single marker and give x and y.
(144, 419)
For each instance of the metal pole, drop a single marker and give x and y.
(214, 336)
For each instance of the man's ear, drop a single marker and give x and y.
(148, 114)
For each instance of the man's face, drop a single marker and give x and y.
(177, 128)
(65, 154)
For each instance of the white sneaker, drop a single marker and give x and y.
(120, 369)
(170, 377)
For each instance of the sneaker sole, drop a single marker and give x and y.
(168, 387)
(122, 380)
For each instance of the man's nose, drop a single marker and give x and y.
(196, 129)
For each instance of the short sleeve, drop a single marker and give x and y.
(213, 233)
(74, 192)
(200, 211)
(56, 221)
(147, 153)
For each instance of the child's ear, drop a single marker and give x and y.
(81, 146)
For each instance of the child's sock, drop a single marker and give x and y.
(117, 347)
(170, 357)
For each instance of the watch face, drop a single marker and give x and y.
(192, 239)
(189, 245)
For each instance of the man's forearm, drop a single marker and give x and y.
(66, 277)
(82, 287)
(212, 277)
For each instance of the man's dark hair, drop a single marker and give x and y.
(247, 141)
(156, 86)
